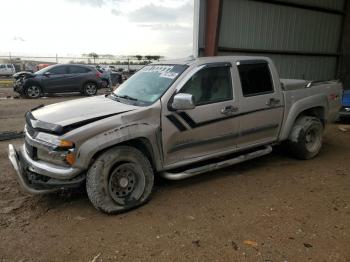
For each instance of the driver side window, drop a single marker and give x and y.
(210, 85)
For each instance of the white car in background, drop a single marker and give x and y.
(7, 69)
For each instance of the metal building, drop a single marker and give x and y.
(305, 38)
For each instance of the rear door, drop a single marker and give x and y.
(208, 128)
(55, 81)
(76, 77)
(261, 103)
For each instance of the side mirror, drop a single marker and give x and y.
(47, 74)
(183, 101)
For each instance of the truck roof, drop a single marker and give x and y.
(210, 59)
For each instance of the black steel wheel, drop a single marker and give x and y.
(305, 140)
(120, 179)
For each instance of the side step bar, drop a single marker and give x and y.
(214, 166)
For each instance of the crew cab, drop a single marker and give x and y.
(175, 119)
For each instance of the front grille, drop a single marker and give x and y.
(31, 151)
(30, 130)
(29, 127)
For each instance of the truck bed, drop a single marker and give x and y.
(300, 94)
(293, 84)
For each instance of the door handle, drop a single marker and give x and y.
(273, 102)
(228, 110)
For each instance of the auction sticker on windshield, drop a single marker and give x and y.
(164, 71)
(157, 69)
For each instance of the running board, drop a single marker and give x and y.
(214, 166)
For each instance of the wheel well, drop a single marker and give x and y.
(142, 144)
(90, 81)
(32, 82)
(318, 112)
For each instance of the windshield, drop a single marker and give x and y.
(149, 84)
(42, 71)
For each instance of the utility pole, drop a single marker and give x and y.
(10, 57)
(56, 59)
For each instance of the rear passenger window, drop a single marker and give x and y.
(210, 85)
(255, 79)
(78, 70)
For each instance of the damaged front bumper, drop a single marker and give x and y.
(18, 86)
(38, 177)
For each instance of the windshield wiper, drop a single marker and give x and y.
(126, 97)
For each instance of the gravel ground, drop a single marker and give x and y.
(273, 208)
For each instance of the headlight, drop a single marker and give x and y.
(62, 153)
(54, 140)
(58, 157)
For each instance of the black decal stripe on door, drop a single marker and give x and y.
(193, 124)
(176, 123)
(188, 119)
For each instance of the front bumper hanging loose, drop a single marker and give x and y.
(20, 176)
(24, 170)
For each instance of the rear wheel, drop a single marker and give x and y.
(90, 89)
(120, 179)
(33, 91)
(305, 140)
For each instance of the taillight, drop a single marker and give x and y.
(98, 74)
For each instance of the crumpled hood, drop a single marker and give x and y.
(24, 74)
(80, 110)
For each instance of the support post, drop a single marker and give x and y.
(212, 26)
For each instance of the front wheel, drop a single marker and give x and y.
(33, 91)
(90, 89)
(305, 140)
(120, 179)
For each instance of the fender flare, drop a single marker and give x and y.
(122, 135)
(316, 101)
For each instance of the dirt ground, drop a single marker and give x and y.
(273, 208)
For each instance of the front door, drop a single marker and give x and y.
(207, 129)
(55, 82)
(261, 103)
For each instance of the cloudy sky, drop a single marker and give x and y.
(119, 27)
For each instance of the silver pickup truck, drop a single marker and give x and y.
(175, 119)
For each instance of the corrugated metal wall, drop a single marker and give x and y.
(330, 4)
(303, 43)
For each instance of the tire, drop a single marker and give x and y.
(33, 90)
(120, 179)
(305, 140)
(90, 89)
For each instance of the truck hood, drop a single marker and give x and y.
(64, 116)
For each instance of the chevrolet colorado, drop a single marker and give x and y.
(175, 119)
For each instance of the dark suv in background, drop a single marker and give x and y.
(63, 78)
